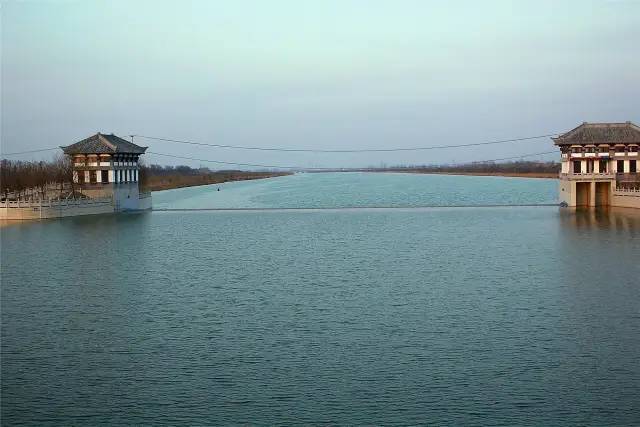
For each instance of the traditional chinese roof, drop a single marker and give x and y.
(601, 133)
(103, 144)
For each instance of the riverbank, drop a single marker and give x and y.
(169, 182)
(519, 169)
(546, 175)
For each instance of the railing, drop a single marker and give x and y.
(628, 191)
(616, 154)
(54, 203)
(93, 185)
(628, 177)
(589, 175)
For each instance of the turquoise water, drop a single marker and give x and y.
(333, 190)
(455, 316)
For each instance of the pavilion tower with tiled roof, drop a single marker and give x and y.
(107, 165)
(600, 165)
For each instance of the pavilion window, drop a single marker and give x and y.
(105, 176)
(633, 149)
(577, 166)
(620, 166)
(92, 177)
(603, 166)
(620, 149)
(633, 166)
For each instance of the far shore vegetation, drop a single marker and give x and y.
(53, 179)
(156, 177)
(23, 180)
(525, 169)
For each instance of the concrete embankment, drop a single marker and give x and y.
(34, 210)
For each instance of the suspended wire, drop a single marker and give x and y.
(324, 168)
(311, 150)
(29, 151)
(362, 150)
(236, 164)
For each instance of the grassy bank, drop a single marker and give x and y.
(154, 181)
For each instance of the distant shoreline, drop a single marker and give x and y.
(197, 180)
(545, 175)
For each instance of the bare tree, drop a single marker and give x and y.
(19, 179)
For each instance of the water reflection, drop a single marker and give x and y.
(617, 219)
(84, 221)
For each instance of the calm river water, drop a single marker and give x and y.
(458, 316)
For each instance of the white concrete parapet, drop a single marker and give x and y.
(41, 209)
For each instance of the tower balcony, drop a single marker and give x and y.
(628, 177)
(588, 176)
(94, 166)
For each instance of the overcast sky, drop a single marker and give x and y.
(316, 74)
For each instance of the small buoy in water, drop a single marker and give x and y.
(218, 188)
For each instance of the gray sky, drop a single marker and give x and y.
(316, 74)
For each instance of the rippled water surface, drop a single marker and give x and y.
(333, 190)
(458, 316)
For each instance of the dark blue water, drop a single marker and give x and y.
(458, 316)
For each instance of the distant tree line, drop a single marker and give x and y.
(21, 179)
(41, 180)
(516, 167)
(157, 177)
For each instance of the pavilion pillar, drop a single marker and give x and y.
(592, 194)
